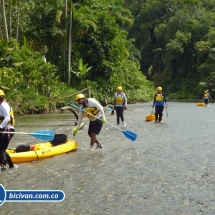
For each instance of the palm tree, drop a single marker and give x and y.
(77, 22)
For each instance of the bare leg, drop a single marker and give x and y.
(93, 139)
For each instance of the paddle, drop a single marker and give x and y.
(110, 109)
(152, 112)
(130, 135)
(166, 112)
(39, 134)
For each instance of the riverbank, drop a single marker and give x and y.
(190, 100)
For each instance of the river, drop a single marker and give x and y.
(168, 170)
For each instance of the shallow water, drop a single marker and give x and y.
(169, 169)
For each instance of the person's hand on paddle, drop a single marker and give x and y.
(75, 131)
(125, 107)
(103, 120)
(132, 136)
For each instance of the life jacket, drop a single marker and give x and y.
(91, 111)
(159, 97)
(12, 120)
(205, 94)
(119, 99)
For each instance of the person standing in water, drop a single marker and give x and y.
(95, 113)
(158, 103)
(206, 97)
(6, 125)
(120, 104)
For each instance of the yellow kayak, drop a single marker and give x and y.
(200, 104)
(42, 150)
(151, 117)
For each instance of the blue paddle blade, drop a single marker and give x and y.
(130, 135)
(110, 108)
(43, 134)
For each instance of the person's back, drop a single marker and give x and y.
(6, 125)
(120, 104)
(158, 103)
(206, 97)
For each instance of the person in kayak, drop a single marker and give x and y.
(95, 113)
(6, 125)
(120, 104)
(158, 103)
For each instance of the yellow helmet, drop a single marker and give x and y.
(2, 93)
(159, 88)
(79, 96)
(119, 88)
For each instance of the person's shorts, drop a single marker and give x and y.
(95, 127)
(206, 101)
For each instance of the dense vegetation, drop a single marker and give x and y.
(176, 39)
(50, 49)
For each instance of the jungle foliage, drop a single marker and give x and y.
(50, 49)
(177, 44)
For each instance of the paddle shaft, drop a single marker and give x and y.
(5, 132)
(152, 111)
(39, 134)
(132, 136)
(93, 115)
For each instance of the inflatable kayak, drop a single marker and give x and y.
(151, 117)
(200, 104)
(41, 151)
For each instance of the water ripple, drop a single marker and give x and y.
(168, 170)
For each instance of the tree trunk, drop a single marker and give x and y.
(10, 21)
(83, 90)
(17, 22)
(1, 31)
(65, 41)
(70, 44)
(4, 20)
